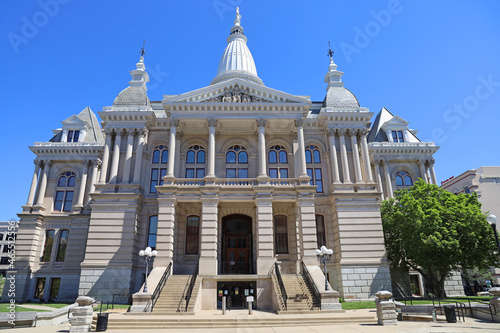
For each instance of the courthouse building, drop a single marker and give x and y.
(234, 179)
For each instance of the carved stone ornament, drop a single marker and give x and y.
(236, 95)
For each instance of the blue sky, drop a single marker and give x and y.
(433, 63)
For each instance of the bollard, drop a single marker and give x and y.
(81, 319)
(223, 305)
(250, 308)
(386, 309)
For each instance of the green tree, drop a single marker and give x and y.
(435, 232)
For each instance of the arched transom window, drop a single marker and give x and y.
(236, 162)
(313, 160)
(64, 192)
(195, 162)
(159, 162)
(403, 179)
(278, 162)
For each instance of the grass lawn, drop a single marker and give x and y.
(2, 283)
(358, 305)
(4, 308)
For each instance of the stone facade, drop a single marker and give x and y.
(234, 176)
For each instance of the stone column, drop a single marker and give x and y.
(343, 157)
(433, 172)
(302, 147)
(166, 229)
(355, 156)
(113, 174)
(366, 156)
(171, 147)
(265, 235)
(138, 156)
(308, 227)
(380, 188)
(261, 123)
(105, 157)
(34, 182)
(388, 181)
(95, 169)
(128, 156)
(43, 183)
(421, 165)
(211, 147)
(177, 164)
(386, 309)
(333, 152)
(83, 184)
(208, 235)
(81, 316)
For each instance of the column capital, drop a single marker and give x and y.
(48, 163)
(178, 136)
(96, 163)
(353, 132)
(300, 122)
(342, 131)
(331, 131)
(141, 131)
(173, 122)
(108, 131)
(363, 131)
(431, 161)
(261, 122)
(37, 163)
(212, 122)
(129, 131)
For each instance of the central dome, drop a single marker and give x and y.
(237, 61)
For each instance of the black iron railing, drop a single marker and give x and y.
(310, 281)
(149, 307)
(280, 283)
(191, 285)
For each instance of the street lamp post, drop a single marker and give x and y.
(147, 256)
(324, 255)
(492, 220)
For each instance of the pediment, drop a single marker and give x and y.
(396, 121)
(238, 92)
(74, 120)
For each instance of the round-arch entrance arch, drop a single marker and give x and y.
(237, 252)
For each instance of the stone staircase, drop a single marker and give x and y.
(300, 295)
(172, 298)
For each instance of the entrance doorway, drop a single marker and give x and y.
(236, 294)
(236, 245)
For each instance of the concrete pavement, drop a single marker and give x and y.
(470, 325)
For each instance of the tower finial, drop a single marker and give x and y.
(238, 16)
(330, 52)
(143, 51)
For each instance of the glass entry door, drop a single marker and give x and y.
(236, 245)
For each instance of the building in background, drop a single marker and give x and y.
(228, 180)
(7, 245)
(485, 182)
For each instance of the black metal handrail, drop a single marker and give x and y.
(310, 281)
(149, 307)
(191, 285)
(280, 283)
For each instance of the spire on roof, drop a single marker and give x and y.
(135, 95)
(237, 61)
(333, 77)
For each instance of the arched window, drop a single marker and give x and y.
(403, 179)
(278, 162)
(63, 200)
(63, 244)
(236, 162)
(280, 234)
(313, 159)
(192, 234)
(159, 167)
(152, 230)
(320, 230)
(195, 158)
(49, 242)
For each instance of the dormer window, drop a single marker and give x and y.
(397, 136)
(73, 136)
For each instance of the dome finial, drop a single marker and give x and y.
(238, 16)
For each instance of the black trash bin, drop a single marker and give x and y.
(449, 312)
(102, 322)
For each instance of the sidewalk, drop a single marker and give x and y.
(470, 325)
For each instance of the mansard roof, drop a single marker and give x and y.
(85, 120)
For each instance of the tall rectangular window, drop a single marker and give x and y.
(73, 136)
(401, 137)
(316, 178)
(63, 244)
(157, 175)
(320, 230)
(192, 234)
(55, 283)
(39, 288)
(152, 231)
(49, 241)
(394, 136)
(280, 234)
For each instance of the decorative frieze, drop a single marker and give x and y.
(236, 95)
